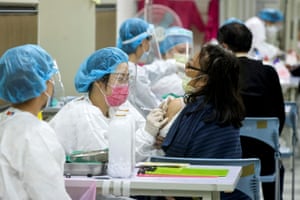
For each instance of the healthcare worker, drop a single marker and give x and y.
(82, 124)
(273, 19)
(135, 39)
(177, 44)
(264, 29)
(31, 157)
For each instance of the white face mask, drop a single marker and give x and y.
(271, 33)
(145, 57)
(272, 29)
(188, 89)
(181, 58)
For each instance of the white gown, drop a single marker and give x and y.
(142, 78)
(258, 30)
(31, 158)
(169, 84)
(81, 126)
(168, 81)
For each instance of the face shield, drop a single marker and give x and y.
(58, 98)
(119, 78)
(177, 44)
(153, 52)
(119, 89)
(183, 52)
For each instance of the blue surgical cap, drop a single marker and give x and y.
(174, 36)
(232, 20)
(271, 15)
(131, 34)
(24, 72)
(101, 62)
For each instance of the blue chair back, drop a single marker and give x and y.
(249, 181)
(265, 129)
(291, 118)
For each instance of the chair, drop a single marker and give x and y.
(291, 115)
(291, 118)
(266, 130)
(249, 181)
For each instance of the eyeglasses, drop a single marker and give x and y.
(188, 66)
(121, 77)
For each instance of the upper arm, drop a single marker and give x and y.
(174, 106)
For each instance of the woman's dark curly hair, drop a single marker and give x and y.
(222, 88)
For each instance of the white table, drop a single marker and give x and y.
(206, 187)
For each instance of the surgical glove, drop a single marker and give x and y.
(155, 120)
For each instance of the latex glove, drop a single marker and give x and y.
(155, 120)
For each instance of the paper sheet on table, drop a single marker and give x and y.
(183, 171)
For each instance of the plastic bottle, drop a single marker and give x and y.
(133, 124)
(121, 147)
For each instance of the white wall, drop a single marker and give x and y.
(241, 9)
(19, 2)
(108, 1)
(66, 30)
(292, 25)
(125, 9)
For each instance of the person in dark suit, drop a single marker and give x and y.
(261, 93)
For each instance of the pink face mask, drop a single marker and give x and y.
(119, 94)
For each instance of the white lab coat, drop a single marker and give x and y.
(31, 159)
(142, 78)
(82, 126)
(258, 30)
(169, 84)
(166, 78)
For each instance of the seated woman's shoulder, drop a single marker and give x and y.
(174, 106)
